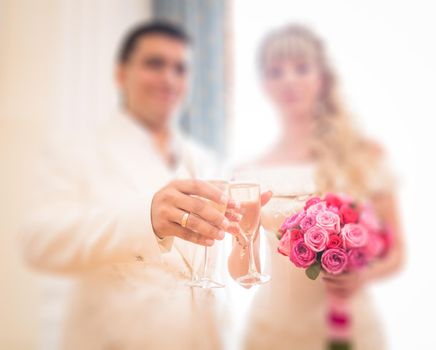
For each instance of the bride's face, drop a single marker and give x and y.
(294, 86)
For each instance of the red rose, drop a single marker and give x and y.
(333, 200)
(334, 241)
(349, 214)
(296, 234)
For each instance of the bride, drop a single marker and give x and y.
(319, 151)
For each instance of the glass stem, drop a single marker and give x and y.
(252, 263)
(206, 256)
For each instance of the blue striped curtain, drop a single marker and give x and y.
(205, 115)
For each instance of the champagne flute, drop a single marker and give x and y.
(248, 195)
(204, 280)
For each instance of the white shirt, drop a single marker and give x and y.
(92, 222)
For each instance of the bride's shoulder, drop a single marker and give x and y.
(381, 175)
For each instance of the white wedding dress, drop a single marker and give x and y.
(289, 311)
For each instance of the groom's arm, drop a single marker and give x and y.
(69, 231)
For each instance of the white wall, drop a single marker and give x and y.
(385, 52)
(90, 34)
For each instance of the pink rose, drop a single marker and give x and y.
(316, 238)
(334, 242)
(375, 245)
(357, 258)
(329, 221)
(354, 235)
(345, 198)
(388, 238)
(314, 209)
(301, 255)
(378, 243)
(369, 219)
(292, 221)
(334, 261)
(284, 246)
(311, 202)
(334, 210)
(307, 222)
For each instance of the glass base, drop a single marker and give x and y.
(253, 279)
(205, 282)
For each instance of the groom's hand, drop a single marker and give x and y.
(204, 224)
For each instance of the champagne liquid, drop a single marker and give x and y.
(249, 223)
(218, 206)
(223, 186)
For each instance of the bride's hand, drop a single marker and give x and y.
(265, 198)
(345, 284)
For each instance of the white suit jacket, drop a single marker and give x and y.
(91, 221)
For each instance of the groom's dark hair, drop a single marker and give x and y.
(142, 30)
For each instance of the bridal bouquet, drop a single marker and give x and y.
(335, 234)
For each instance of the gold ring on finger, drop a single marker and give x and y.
(184, 221)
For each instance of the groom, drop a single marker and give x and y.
(117, 210)
(153, 74)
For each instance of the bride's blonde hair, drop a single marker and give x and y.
(344, 156)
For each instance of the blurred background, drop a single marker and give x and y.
(56, 72)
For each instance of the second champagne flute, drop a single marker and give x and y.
(203, 279)
(248, 195)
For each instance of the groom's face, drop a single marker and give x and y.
(154, 80)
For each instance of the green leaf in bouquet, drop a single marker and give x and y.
(313, 270)
(339, 345)
(319, 256)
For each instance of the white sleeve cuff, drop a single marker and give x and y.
(135, 221)
(165, 244)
